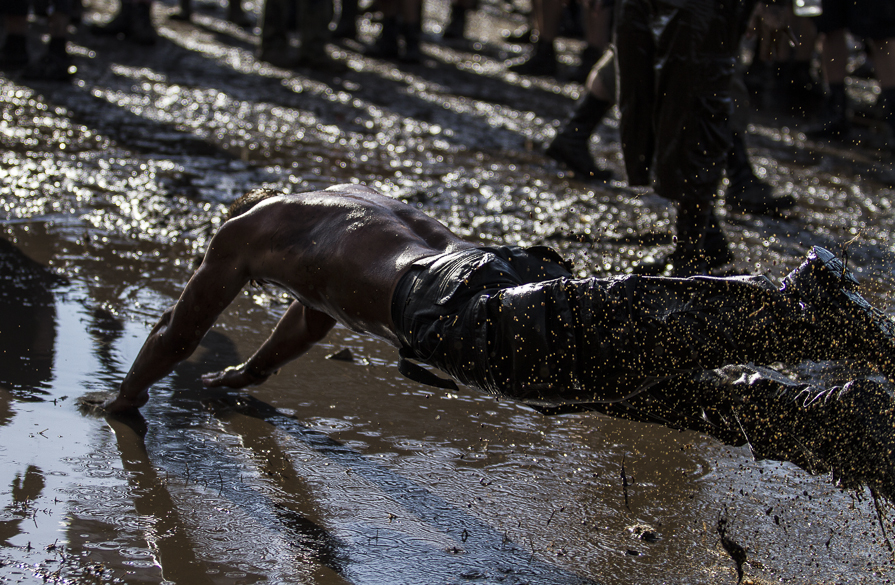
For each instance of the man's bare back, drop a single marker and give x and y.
(340, 251)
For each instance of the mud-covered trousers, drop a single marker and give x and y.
(516, 324)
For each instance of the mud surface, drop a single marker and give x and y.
(342, 471)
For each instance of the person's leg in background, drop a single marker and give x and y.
(133, 22)
(313, 18)
(541, 61)
(597, 16)
(570, 146)
(278, 19)
(14, 52)
(401, 21)
(55, 64)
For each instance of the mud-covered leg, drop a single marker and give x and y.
(840, 315)
(658, 327)
(848, 429)
(665, 326)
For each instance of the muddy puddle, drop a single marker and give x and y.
(342, 471)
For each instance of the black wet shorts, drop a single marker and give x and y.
(514, 323)
(485, 316)
(869, 19)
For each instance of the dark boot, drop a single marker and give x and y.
(833, 122)
(236, 14)
(142, 31)
(120, 25)
(387, 46)
(133, 23)
(799, 92)
(571, 145)
(886, 102)
(455, 28)
(14, 53)
(701, 245)
(277, 20)
(746, 193)
(541, 62)
(55, 65)
(347, 25)
(845, 429)
(410, 33)
(716, 249)
(185, 11)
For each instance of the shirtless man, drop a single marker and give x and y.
(517, 324)
(339, 252)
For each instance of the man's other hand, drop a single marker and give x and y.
(232, 377)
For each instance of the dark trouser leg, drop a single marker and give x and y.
(314, 18)
(277, 17)
(347, 25)
(659, 327)
(848, 429)
(833, 119)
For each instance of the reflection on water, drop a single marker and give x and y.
(26, 488)
(336, 472)
(27, 323)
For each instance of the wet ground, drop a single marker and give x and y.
(343, 471)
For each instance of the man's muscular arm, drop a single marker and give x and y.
(178, 332)
(298, 330)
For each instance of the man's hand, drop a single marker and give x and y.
(233, 377)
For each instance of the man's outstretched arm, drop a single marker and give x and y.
(180, 329)
(297, 331)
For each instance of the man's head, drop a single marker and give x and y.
(248, 201)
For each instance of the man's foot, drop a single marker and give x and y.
(851, 326)
(753, 196)
(50, 67)
(849, 429)
(576, 156)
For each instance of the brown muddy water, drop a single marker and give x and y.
(343, 471)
